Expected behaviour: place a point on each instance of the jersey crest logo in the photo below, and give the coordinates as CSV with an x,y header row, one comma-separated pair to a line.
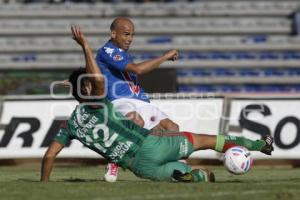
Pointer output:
x,y
118,57
109,51
134,88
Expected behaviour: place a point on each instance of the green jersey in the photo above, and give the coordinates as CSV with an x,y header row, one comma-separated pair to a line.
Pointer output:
x,y
102,129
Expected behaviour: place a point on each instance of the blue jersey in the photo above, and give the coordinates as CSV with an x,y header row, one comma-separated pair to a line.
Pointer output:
x,y
120,84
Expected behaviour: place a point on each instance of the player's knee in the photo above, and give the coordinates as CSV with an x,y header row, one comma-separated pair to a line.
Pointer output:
x,y
172,127
136,118
169,125
175,127
139,121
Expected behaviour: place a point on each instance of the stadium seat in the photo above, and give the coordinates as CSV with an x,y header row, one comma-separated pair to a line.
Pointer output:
x,y
217,40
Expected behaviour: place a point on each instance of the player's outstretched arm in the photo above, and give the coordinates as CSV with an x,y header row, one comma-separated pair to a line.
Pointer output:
x,y
149,65
48,160
92,68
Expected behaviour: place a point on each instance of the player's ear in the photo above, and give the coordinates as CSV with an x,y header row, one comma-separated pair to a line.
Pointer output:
x,y
113,34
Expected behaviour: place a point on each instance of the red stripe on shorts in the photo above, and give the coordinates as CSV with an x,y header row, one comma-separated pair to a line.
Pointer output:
x,y
189,137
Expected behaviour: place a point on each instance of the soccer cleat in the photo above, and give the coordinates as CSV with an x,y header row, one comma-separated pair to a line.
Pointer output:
x,y
268,148
196,175
111,174
182,177
209,175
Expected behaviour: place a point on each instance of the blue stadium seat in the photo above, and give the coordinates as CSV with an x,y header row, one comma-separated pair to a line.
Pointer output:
x,y
244,55
147,56
201,72
293,72
249,72
183,73
290,55
268,56
24,58
185,88
205,88
250,88
229,88
255,39
273,72
276,88
296,88
160,40
200,56
259,38
220,55
224,72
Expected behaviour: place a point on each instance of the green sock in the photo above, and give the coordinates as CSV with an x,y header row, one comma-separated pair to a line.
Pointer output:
x,y
225,142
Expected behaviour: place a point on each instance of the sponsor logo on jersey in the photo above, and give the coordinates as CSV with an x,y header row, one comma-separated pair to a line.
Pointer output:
x,y
118,57
109,51
134,88
120,150
84,128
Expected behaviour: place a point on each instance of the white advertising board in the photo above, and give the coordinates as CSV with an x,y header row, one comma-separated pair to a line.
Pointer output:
x,y
197,116
28,126
279,117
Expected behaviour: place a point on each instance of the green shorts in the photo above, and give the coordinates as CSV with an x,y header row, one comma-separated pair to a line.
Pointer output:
x,y
159,154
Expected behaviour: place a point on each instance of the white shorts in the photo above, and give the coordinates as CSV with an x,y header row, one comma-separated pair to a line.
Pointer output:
x,y
149,112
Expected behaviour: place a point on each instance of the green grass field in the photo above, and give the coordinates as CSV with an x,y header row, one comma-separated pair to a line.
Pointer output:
x,y
72,183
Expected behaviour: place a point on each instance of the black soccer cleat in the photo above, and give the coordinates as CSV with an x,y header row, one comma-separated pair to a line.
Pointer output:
x,y
207,176
268,148
182,177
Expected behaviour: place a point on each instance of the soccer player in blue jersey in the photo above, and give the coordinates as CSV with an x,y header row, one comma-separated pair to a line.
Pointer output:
x,y
123,89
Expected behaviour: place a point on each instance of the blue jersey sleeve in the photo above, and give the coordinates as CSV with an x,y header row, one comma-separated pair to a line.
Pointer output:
x,y
114,58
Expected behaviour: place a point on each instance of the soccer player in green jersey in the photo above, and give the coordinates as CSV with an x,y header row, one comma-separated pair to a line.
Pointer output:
x,y
148,154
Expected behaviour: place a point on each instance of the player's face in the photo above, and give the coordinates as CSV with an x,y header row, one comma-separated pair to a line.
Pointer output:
x,y
86,88
123,35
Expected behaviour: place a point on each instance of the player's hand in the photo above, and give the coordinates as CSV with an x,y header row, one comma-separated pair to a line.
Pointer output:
x,y
78,35
172,55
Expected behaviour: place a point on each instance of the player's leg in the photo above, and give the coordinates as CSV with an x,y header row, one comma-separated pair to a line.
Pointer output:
x,y
181,172
158,159
221,143
172,171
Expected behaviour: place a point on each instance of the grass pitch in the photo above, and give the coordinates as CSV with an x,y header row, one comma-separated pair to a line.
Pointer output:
x,y
74,183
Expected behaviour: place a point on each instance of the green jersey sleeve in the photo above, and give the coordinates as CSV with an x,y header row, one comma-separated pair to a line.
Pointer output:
x,y
63,136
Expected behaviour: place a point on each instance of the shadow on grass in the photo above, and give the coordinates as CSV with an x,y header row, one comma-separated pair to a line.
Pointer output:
x,y
28,180
260,181
62,180
79,180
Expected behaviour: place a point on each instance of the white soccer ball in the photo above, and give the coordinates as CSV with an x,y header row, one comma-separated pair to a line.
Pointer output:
x,y
237,160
